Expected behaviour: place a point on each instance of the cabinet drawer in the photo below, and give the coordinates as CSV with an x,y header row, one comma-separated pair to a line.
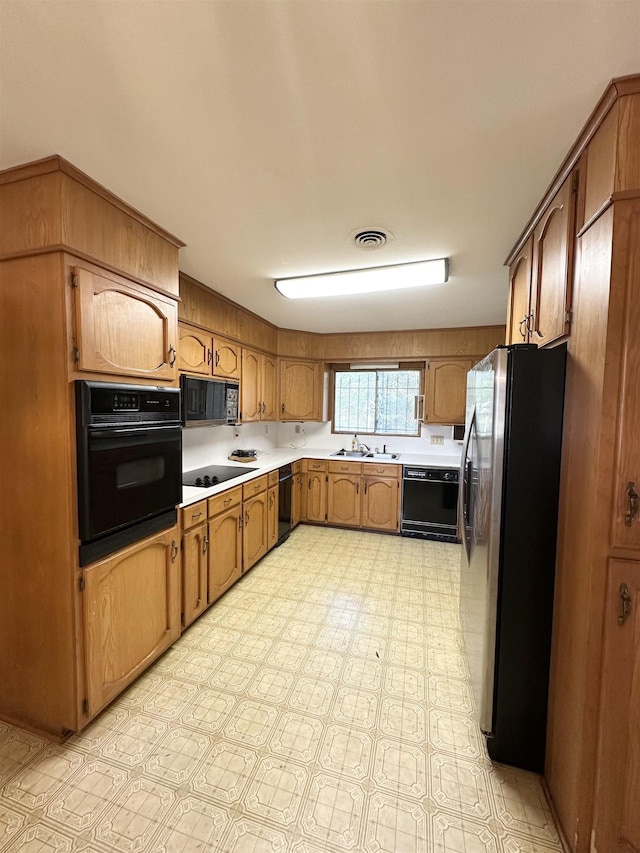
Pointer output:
x,y
345,467
316,464
193,514
225,500
383,470
272,478
255,487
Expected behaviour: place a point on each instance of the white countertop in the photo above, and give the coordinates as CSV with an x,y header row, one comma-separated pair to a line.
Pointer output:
x,y
267,461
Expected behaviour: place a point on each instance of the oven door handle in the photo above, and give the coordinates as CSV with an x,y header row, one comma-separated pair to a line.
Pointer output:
x,y
110,433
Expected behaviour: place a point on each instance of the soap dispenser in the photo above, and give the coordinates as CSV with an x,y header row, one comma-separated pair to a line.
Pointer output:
x,y
354,442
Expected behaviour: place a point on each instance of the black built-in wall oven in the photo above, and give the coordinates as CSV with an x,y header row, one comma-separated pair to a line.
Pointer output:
x,y
129,450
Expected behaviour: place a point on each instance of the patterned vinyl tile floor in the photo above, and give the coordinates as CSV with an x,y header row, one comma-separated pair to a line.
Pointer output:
x,y
323,704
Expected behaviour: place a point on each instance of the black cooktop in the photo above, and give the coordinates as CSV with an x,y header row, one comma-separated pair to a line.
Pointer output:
x,y
212,475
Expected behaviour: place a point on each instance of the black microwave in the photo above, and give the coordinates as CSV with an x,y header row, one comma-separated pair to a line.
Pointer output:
x,y
209,401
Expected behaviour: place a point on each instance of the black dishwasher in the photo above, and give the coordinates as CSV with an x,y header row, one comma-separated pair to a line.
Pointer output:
x,y
285,483
430,503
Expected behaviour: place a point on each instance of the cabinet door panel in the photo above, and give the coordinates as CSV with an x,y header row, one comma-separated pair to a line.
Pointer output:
x,y
225,551
226,359
343,502
250,385
124,328
194,573
447,390
195,351
254,538
380,504
617,817
131,614
269,388
519,296
316,493
553,252
625,529
300,391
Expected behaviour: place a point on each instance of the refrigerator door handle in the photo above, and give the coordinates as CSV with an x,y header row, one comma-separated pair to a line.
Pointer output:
x,y
464,486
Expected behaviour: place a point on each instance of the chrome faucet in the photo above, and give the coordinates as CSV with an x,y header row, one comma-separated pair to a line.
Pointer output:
x,y
366,447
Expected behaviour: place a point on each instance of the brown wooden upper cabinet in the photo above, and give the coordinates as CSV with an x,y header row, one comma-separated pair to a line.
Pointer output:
x,y
540,275
258,386
447,390
207,354
300,390
122,327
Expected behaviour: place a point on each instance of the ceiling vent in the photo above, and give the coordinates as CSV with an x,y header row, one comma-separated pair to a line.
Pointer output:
x,y
372,238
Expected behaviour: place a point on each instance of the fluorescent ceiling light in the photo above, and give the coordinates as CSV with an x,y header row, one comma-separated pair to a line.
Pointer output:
x,y
393,277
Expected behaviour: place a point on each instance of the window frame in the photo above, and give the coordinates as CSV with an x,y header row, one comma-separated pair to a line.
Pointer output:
x,y
352,367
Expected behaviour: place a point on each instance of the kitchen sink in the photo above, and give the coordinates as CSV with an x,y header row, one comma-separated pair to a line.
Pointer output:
x,y
382,456
365,454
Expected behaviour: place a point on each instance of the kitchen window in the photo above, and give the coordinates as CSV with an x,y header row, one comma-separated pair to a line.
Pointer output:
x,y
376,401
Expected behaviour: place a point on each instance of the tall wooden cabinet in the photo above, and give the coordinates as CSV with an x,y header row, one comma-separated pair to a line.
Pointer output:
x,y
88,289
593,743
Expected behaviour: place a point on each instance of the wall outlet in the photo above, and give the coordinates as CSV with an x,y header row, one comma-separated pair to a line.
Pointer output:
x,y
296,429
236,432
266,429
437,439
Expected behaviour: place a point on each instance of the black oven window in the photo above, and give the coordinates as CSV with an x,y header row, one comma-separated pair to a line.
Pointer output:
x,y
140,472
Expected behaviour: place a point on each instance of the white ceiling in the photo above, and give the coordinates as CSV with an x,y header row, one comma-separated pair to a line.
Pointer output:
x,y
264,133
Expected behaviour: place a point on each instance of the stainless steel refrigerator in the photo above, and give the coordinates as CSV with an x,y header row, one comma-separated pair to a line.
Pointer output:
x,y
509,482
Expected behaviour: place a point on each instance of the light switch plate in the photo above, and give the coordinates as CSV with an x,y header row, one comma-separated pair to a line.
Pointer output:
x,y
437,439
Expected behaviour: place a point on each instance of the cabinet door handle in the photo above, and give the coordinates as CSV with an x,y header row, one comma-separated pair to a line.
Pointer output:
x,y
625,602
357,488
365,488
172,355
283,408
240,522
524,322
633,503
205,544
246,518
174,551
209,356
217,358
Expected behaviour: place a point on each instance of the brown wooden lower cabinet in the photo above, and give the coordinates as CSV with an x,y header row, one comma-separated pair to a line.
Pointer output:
x,y
344,500
224,551
380,499
363,494
194,572
131,612
254,531
315,488
617,800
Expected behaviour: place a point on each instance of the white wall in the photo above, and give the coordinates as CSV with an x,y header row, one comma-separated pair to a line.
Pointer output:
x,y
319,435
